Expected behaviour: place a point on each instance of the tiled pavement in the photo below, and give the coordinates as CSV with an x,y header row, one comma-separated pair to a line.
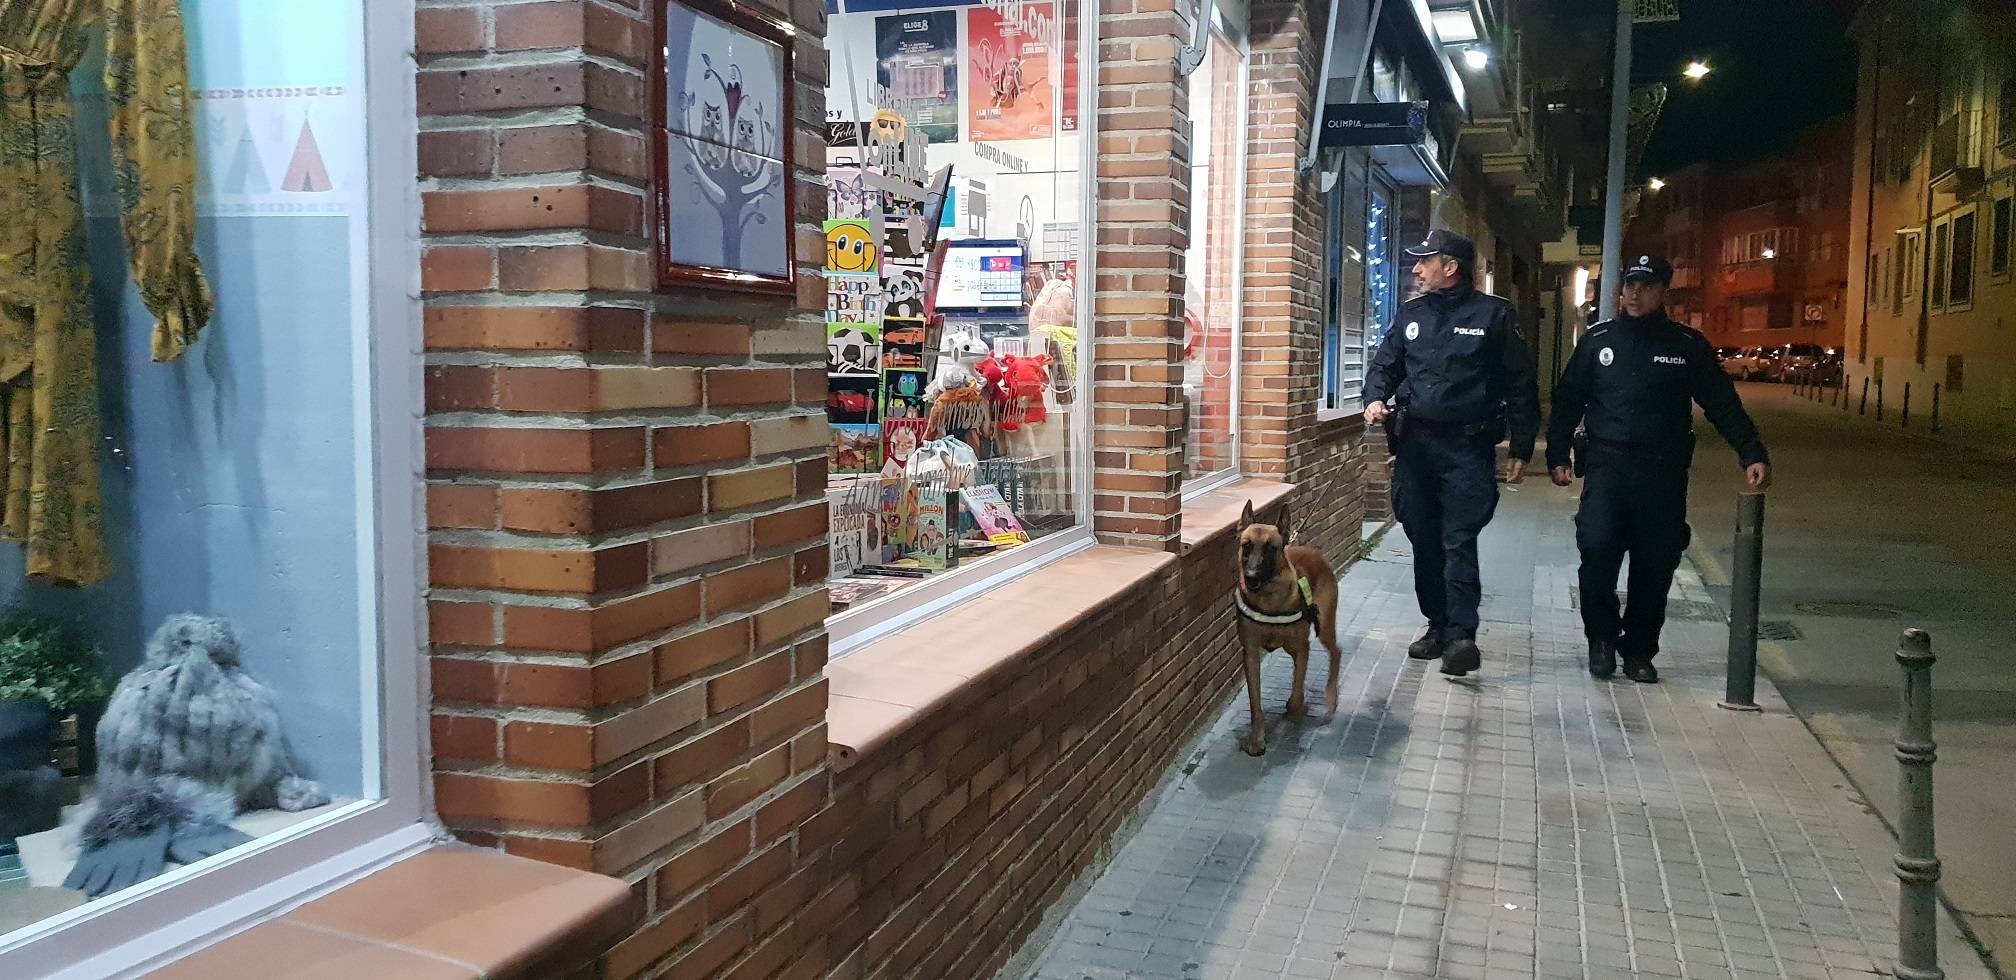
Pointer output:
x,y
1526,822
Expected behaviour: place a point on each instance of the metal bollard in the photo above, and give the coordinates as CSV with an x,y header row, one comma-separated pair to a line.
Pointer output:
x,y
1906,415
1740,690
1917,857
1879,401
1935,407
1864,410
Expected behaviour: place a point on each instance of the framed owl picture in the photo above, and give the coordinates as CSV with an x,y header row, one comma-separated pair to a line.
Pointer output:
x,y
722,146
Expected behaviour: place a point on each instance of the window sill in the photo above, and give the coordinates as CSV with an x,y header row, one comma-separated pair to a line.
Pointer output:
x,y
887,686
1211,514
446,913
1325,416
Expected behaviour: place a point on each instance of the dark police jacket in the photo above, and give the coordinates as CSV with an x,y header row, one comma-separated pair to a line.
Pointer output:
x,y
1632,383
1455,357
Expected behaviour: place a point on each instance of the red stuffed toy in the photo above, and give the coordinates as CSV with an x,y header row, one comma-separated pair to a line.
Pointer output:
x,y
1017,383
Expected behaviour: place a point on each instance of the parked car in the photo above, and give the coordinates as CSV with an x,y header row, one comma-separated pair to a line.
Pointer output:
x,y
1749,364
1799,359
1731,359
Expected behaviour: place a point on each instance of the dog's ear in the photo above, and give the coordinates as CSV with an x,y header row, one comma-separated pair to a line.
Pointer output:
x,y
1283,526
1246,518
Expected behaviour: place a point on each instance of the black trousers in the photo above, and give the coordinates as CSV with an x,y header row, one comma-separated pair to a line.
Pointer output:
x,y
1445,489
1636,507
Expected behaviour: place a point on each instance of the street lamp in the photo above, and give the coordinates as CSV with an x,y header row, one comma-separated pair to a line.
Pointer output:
x,y
1770,253
1656,184
1696,70
1476,58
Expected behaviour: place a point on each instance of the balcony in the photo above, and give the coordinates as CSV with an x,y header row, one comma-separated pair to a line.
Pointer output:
x,y
1758,278
1956,153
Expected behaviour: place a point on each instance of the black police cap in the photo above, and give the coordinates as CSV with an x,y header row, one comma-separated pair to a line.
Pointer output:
x,y
1442,241
1649,268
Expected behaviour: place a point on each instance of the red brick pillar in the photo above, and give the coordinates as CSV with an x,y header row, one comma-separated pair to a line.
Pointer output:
x,y
1144,200
1282,360
624,494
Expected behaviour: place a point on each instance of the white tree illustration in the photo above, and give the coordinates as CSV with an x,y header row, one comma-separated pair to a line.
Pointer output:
x,y
730,146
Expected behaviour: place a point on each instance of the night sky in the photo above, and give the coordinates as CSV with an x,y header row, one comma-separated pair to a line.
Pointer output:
x,y
1778,65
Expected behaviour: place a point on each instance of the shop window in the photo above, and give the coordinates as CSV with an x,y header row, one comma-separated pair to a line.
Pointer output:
x,y
958,335
1333,286
1960,277
193,666
1212,262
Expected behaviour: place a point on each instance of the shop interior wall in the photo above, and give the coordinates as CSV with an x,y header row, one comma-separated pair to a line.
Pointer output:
x,y
231,476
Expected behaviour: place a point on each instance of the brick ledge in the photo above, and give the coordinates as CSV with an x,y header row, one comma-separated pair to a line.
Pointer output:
x,y
447,913
1209,515
892,684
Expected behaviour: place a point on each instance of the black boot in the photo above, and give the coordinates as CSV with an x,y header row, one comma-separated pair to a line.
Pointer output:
x,y
1641,670
1602,658
1428,647
1461,656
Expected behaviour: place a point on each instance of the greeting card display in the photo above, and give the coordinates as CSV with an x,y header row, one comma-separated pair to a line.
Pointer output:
x,y
854,449
853,349
903,394
851,400
903,343
900,438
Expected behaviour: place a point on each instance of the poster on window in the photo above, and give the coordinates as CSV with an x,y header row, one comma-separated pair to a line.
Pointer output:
x,y
917,59
1009,64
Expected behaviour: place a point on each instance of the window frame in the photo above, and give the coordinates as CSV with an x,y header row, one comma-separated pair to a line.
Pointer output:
x,y
1970,214
1236,38
852,629
161,920
1910,243
1942,248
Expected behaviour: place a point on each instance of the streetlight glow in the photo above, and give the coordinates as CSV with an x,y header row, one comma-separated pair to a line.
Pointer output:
x,y
1696,70
1655,183
1476,58
1770,253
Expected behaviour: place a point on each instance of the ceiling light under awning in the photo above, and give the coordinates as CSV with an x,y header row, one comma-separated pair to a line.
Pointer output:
x,y
1456,26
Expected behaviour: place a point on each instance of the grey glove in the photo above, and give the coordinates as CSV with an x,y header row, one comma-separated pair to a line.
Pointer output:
x,y
110,865
196,841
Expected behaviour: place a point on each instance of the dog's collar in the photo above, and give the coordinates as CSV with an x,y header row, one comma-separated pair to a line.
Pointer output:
x,y
1270,619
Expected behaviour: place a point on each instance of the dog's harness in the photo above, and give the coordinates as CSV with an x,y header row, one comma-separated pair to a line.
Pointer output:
x,y
1307,612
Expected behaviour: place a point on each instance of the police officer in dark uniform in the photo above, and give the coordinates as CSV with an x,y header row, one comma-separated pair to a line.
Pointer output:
x,y
1452,373
1631,386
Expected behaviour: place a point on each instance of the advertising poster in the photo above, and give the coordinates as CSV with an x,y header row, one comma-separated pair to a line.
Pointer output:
x,y
1010,61
917,58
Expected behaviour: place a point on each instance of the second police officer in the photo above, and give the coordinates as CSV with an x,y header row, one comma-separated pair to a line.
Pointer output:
x,y
1631,386
1450,376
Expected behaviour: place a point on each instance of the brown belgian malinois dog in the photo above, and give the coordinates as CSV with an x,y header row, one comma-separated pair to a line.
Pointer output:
x,y
1284,590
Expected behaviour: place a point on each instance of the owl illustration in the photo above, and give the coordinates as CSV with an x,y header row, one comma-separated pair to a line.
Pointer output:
x,y
713,134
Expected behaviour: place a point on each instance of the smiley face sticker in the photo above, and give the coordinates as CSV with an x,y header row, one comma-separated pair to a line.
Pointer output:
x,y
850,248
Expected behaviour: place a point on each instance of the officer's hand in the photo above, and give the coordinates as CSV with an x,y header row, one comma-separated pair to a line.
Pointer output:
x,y
1375,413
1515,470
1563,476
1759,475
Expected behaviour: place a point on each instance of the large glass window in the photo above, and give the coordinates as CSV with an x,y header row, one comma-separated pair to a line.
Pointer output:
x,y
191,630
2000,227
1960,285
1212,262
1941,248
958,335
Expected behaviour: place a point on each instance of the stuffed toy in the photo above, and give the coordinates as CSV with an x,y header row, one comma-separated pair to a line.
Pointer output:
x,y
1016,385
959,354
958,403
188,741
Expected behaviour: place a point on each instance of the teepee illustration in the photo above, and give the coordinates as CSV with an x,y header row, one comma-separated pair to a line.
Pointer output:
x,y
305,172
247,173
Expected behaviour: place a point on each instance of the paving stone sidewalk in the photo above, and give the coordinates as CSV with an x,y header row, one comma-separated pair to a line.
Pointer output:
x,y
1526,822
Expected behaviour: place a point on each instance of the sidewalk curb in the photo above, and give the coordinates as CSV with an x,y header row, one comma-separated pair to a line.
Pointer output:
x,y
1773,657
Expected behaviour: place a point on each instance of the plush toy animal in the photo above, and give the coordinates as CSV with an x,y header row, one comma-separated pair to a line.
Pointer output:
x,y
959,354
188,741
1016,384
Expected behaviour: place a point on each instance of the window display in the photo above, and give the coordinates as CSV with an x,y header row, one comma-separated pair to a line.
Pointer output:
x,y
186,645
954,166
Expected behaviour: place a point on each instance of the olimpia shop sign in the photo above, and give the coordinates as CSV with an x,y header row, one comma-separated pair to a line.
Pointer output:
x,y
1034,21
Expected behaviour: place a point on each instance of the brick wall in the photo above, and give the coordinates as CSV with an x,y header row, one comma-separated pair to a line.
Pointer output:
x,y
945,847
624,497
1143,217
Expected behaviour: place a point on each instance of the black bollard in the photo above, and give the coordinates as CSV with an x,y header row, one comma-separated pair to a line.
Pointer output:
x,y
1864,410
1935,407
1740,690
1879,401
1906,414
1917,852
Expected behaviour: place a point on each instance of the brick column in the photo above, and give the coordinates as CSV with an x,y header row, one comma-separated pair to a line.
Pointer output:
x,y
1282,360
1143,217
624,493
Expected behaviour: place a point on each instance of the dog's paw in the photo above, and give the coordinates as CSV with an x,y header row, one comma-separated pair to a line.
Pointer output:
x,y
1297,707
1254,746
